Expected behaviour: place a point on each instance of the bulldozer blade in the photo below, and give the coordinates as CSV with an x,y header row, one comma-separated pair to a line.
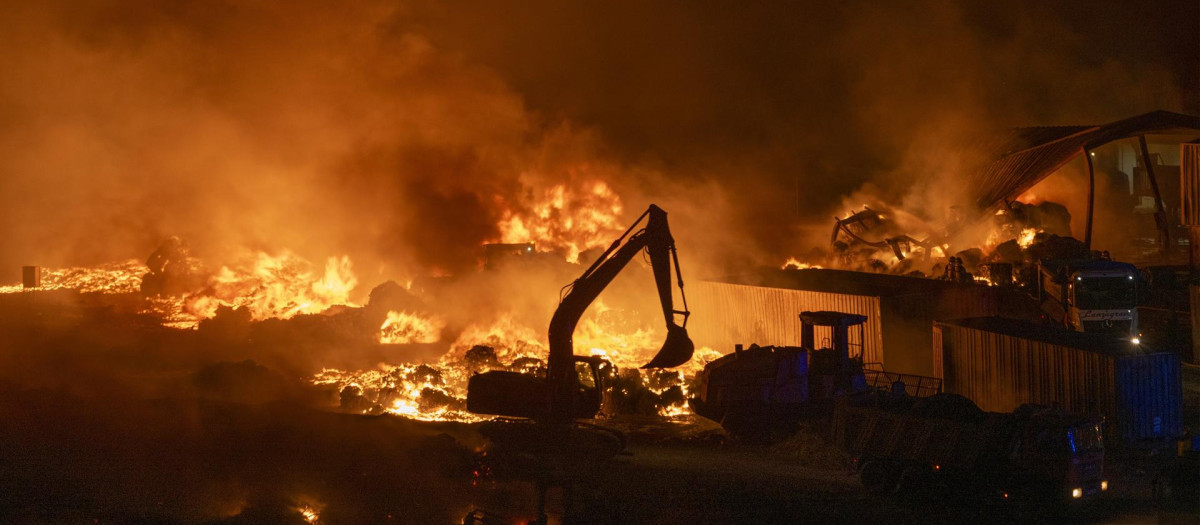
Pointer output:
x,y
676,351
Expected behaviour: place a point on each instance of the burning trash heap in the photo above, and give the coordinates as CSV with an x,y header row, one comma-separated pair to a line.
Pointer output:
x,y
998,249
273,304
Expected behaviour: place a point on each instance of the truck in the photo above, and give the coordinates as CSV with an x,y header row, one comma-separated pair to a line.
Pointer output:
x,y
759,390
1095,296
944,445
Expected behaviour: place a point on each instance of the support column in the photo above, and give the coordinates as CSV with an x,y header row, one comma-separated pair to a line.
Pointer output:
x,y
1189,186
1091,202
1160,216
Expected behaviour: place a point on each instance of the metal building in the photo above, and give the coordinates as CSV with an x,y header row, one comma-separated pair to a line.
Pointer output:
x,y
764,308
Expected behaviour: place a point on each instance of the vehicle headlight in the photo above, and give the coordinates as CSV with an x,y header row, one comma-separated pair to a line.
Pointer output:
x,y
1076,493
1104,485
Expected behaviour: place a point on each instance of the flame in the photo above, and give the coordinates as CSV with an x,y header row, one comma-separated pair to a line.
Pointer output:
x,y
112,278
418,392
570,219
279,286
795,264
511,340
404,327
1027,236
309,513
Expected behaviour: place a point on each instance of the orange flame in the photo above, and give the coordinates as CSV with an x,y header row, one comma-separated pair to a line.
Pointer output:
x,y
1027,236
795,264
404,328
568,219
110,278
275,287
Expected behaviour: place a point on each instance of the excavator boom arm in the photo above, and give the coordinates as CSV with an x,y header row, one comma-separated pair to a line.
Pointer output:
x,y
656,239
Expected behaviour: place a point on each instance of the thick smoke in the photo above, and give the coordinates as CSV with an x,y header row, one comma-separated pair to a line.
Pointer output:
x,y
399,132
407,134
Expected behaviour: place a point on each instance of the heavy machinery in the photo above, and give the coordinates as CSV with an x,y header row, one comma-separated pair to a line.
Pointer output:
x,y
572,387
1097,296
944,445
756,390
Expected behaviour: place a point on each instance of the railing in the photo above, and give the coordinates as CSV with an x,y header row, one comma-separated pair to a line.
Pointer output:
x,y
913,385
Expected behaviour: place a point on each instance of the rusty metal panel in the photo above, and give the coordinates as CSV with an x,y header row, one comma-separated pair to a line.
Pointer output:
x,y
1194,298
31,276
727,314
1000,372
907,320
1189,184
936,354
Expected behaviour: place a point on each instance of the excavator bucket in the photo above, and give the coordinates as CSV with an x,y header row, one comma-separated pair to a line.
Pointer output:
x,y
676,351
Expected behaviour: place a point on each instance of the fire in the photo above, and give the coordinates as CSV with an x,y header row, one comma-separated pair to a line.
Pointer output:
x,y
570,219
112,278
309,513
795,264
612,333
280,286
1027,236
404,328
511,340
418,392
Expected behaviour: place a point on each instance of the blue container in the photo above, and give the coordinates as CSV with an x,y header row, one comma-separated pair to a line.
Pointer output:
x,y
1149,397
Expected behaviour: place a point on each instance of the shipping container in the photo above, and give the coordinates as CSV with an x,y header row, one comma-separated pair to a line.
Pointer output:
x,y
764,308
1001,364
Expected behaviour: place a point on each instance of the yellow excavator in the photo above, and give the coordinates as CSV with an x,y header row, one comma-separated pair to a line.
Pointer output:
x,y
573,385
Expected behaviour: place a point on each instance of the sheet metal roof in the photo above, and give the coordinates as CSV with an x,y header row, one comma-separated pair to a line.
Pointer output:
x,y
1025,156
842,281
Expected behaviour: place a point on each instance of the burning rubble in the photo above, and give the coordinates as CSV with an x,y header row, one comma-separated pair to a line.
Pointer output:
x,y
958,247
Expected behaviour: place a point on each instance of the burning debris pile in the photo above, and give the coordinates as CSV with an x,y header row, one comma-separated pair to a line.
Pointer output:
x,y
282,302
112,278
1004,244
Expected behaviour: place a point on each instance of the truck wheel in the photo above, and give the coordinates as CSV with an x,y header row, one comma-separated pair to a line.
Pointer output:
x,y
879,477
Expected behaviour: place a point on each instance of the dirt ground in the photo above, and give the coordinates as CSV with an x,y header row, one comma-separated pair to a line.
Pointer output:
x,y
102,421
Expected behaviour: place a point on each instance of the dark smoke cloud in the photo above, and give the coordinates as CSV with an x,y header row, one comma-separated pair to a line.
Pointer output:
x,y
396,131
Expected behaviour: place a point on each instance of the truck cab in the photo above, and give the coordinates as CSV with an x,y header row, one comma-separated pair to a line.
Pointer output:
x,y
1066,454
1095,296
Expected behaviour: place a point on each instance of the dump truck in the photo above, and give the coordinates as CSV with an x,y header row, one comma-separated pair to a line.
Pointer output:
x,y
945,445
757,390
1095,296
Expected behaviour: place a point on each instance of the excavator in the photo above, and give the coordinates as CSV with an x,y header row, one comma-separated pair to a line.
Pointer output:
x,y
573,385
549,445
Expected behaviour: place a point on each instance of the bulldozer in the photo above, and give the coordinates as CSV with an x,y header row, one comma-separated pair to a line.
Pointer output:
x,y
761,390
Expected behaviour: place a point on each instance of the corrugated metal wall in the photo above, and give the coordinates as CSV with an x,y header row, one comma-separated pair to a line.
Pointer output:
x,y
728,314
907,320
1000,372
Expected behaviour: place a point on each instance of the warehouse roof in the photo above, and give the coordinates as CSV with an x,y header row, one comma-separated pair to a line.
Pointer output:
x,y
842,281
1025,156
1051,334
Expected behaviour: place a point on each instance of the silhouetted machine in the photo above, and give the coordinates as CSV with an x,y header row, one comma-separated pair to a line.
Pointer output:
x,y
572,387
754,390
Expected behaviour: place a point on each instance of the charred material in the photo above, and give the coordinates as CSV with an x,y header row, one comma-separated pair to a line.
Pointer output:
x,y
173,270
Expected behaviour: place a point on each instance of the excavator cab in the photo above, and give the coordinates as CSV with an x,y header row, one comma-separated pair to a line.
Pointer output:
x,y
833,370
